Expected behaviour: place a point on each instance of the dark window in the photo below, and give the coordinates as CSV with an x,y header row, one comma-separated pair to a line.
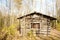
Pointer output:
x,y
36,26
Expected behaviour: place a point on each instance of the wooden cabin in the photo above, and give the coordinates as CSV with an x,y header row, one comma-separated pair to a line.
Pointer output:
x,y
38,23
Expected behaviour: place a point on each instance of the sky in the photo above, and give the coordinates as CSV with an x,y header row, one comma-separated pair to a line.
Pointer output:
x,y
43,6
3,5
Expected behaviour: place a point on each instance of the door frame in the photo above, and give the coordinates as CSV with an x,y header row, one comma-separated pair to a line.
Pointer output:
x,y
38,28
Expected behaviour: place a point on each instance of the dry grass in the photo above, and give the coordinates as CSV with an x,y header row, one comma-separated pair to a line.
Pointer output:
x,y
11,33
54,35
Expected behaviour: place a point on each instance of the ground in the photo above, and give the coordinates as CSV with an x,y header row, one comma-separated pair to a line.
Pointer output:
x,y
54,35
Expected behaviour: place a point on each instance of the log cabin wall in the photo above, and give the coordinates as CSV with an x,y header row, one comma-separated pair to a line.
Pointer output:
x,y
45,25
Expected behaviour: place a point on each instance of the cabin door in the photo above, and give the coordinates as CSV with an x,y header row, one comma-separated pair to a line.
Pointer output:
x,y
36,28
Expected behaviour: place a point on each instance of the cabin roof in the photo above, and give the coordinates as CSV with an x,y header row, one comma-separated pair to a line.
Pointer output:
x,y
37,14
